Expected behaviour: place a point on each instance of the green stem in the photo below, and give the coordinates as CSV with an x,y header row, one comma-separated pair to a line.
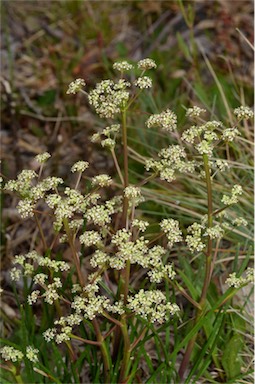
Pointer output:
x,y
126,353
208,271
100,339
19,379
126,281
125,274
125,147
104,351
75,255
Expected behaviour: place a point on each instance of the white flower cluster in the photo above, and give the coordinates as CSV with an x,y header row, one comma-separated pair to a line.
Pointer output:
x,y
145,64
205,148
166,120
240,221
195,111
230,134
134,195
109,98
132,192
90,238
204,135
11,354
65,207
75,86
86,305
221,165
110,132
28,263
99,258
236,191
42,157
101,181
215,232
134,251
32,354
140,224
190,134
122,66
171,161
30,193
143,82
80,166
194,240
23,183
51,293
152,306
237,282
243,113
171,228
100,214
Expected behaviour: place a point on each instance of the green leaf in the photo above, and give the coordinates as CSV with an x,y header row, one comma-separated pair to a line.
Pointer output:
x,y
231,360
184,47
47,98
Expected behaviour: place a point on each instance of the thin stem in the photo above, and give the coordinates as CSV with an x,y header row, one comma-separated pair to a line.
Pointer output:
x,y
86,340
134,344
117,166
75,255
152,176
127,352
135,97
126,281
208,270
125,147
112,319
105,354
125,273
40,171
125,155
41,232
78,180
184,293
220,210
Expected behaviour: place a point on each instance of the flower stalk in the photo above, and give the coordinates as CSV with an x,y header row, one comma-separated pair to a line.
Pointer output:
x,y
208,271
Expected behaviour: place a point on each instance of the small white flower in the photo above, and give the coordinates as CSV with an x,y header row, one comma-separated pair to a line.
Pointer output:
x,y
146,64
15,274
171,228
166,120
140,224
240,221
80,166
132,192
43,157
236,191
230,134
108,143
75,86
32,354
243,112
49,334
122,66
11,354
195,111
90,238
101,180
143,82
